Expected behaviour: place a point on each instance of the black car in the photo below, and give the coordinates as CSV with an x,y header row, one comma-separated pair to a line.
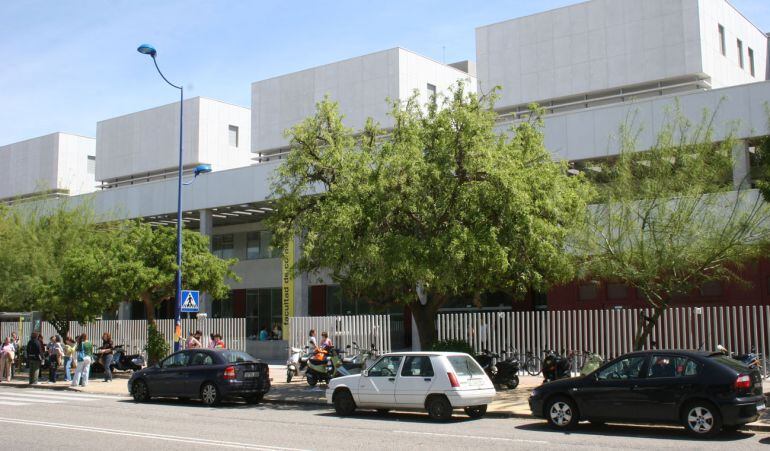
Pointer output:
x,y
705,392
206,374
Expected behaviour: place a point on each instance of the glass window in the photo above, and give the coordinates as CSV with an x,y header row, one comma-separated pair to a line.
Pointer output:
x,y
201,358
385,367
669,366
432,93
740,52
263,308
751,61
91,162
616,291
259,245
587,292
252,245
223,246
722,47
222,308
233,135
623,369
465,366
237,357
419,366
711,289
176,360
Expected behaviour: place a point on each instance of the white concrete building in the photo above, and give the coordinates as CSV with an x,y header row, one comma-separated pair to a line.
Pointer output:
x,y
59,164
144,146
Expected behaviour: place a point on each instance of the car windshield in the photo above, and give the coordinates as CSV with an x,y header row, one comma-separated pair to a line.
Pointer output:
x,y
736,365
465,366
237,357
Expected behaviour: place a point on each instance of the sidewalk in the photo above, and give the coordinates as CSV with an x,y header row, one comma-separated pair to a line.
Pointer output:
x,y
507,404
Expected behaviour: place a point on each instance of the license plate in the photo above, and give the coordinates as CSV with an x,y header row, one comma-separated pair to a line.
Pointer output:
x,y
250,374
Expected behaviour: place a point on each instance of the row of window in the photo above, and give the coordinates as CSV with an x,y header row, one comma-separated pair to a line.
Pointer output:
x,y
661,366
739,45
258,245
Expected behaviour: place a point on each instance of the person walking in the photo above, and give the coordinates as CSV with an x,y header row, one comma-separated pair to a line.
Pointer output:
x,y
83,351
55,356
34,357
106,352
69,358
7,354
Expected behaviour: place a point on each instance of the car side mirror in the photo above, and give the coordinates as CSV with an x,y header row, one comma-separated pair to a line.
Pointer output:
x,y
365,373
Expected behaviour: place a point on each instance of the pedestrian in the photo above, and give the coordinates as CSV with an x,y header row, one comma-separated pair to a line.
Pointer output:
x,y
277,332
193,342
311,341
55,356
7,354
69,358
34,358
326,342
105,350
43,355
212,341
264,335
17,352
83,351
218,342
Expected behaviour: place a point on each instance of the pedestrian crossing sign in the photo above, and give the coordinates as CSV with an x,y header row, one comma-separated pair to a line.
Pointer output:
x,y
190,302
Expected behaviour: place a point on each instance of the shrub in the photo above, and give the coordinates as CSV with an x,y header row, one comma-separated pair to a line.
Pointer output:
x,y
452,346
157,347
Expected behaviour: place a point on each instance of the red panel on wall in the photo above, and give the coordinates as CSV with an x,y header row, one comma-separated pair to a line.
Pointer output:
x,y
239,303
317,300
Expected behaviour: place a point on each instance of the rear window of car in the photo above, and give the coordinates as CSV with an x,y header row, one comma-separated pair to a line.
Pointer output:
x,y
237,357
465,366
729,362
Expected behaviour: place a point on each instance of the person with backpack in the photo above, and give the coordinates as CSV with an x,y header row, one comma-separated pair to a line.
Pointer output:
x,y
83,351
34,358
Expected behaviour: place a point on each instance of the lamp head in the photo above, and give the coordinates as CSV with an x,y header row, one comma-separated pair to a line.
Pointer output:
x,y
147,49
202,169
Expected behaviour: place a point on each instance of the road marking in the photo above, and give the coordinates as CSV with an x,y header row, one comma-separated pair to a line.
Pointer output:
x,y
11,403
48,392
473,437
47,396
28,400
169,438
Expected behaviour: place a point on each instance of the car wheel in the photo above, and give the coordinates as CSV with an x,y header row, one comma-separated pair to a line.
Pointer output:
x,y
140,391
210,394
702,419
344,404
513,382
255,399
311,380
289,375
562,413
476,411
439,408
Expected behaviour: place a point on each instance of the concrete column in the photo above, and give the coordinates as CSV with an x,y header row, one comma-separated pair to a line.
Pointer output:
x,y
124,311
206,227
741,166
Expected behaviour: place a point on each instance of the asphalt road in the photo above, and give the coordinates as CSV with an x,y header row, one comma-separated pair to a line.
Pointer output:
x,y
47,420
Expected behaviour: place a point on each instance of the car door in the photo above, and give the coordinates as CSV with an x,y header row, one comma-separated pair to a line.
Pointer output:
x,y
171,377
377,386
608,393
414,381
198,370
668,380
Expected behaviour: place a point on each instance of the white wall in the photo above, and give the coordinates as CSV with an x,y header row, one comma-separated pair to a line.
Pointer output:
x,y
725,70
148,141
52,162
360,85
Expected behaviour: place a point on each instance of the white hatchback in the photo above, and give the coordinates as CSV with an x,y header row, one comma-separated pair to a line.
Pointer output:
x,y
434,381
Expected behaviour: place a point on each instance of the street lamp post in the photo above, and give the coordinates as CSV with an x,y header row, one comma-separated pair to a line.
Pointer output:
x,y
147,49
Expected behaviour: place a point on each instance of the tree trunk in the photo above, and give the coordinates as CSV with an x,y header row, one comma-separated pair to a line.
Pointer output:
x,y
425,320
646,326
149,307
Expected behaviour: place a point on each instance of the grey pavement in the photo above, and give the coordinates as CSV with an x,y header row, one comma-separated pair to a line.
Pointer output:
x,y
66,420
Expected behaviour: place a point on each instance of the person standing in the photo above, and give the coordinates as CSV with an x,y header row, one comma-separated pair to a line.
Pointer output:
x,y
192,341
69,358
106,352
55,356
34,357
83,351
311,341
263,333
17,351
7,354
43,354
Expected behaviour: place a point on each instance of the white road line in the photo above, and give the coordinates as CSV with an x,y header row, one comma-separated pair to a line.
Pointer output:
x,y
29,400
47,396
473,437
11,403
73,393
169,438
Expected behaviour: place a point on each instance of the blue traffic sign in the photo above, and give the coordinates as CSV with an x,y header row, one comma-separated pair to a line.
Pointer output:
x,y
190,302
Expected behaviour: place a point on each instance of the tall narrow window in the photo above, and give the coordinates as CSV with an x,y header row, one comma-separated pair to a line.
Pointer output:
x,y
233,134
740,53
91,164
722,46
432,93
751,61
222,246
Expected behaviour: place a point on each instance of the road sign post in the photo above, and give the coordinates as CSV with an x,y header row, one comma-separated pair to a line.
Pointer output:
x,y
190,301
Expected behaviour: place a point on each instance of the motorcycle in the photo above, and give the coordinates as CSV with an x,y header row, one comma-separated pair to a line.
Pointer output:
x,y
750,359
555,366
357,362
325,369
592,363
297,362
502,372
120,361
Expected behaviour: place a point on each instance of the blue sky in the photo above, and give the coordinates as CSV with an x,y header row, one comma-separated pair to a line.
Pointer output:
x,y
69,64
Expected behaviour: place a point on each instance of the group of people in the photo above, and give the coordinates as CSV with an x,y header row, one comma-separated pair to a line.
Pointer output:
x,y
266,334
73,356
320,351
195,341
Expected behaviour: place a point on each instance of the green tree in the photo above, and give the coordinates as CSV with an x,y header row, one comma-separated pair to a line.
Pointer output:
x,y
442,202
668,219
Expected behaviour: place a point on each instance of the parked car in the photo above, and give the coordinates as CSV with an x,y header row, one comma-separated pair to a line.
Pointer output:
x,y
705,392
206,374
438,382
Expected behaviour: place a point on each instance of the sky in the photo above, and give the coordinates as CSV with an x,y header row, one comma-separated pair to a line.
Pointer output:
x,y
69,64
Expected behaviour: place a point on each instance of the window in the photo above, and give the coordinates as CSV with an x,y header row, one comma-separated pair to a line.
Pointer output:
x,y
221,308
259,245
91,161
222,246
616,291
668,366
627,368
233,135
587,292
740,53
711,289
432,93
201,358
722,46
176,360
465,365
263,308
751,61
417,366
385,367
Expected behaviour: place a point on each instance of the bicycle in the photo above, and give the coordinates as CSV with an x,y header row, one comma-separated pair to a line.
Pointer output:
x,y
533,365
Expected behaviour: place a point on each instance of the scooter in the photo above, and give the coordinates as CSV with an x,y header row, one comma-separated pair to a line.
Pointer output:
x,y
120,361
324,370
297,362
751,359
555,366
502,372
357,362
592,363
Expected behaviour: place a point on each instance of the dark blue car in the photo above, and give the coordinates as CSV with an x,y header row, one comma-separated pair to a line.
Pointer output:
x,y
205,374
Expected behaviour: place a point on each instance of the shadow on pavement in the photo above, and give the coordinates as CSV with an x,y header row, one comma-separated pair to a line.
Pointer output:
x,y
401,416
636,431
225,405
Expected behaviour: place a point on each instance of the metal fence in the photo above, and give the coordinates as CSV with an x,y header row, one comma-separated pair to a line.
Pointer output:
x,y
365,330
610,333
132,334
